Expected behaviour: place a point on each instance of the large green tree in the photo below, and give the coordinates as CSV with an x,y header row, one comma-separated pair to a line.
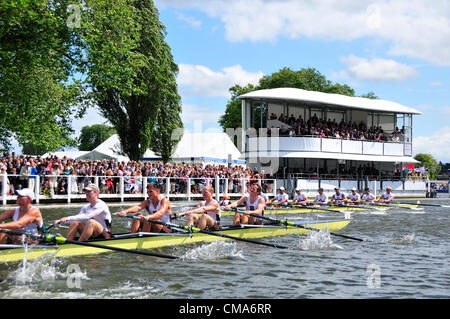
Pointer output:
x,y
38,95
306,79
131,70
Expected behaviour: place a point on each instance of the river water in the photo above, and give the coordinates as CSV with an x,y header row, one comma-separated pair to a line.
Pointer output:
x,y
404,255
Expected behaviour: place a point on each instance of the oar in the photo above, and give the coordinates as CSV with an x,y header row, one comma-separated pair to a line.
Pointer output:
x,y
62,240
192,229
433,205
288,223
321,208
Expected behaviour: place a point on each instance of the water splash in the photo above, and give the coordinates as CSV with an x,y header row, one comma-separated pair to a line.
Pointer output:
x,y
320,240
44,271
216,250
405,240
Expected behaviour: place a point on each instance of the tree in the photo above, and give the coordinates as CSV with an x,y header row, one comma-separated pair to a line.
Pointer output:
x,y
37,51
429,162
131,70
306,79
92,136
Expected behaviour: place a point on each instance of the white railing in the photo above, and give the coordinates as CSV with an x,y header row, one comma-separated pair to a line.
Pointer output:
x,y
332,145
70,187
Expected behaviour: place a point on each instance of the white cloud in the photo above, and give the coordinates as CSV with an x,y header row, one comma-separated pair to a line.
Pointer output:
x,y
437,144
201,80
412,28
376,69
189,20
436,83
199,114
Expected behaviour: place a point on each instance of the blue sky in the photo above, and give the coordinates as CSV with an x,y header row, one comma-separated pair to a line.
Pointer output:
x,y
399,49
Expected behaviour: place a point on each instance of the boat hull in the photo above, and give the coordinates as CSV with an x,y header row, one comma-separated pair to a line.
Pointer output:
x,y
158,241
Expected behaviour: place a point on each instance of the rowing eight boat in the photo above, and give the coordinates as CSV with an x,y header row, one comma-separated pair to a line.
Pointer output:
x,y
153,240
316,209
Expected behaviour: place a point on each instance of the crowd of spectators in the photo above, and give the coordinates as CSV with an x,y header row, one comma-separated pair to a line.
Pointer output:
x,y
54,174
332,129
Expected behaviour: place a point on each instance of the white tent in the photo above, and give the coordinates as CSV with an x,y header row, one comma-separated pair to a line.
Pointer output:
x,y
108,150
206,148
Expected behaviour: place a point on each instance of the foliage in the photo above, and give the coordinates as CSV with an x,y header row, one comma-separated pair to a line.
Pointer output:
x,y
429,162
306,79
92,136
37,51
131,70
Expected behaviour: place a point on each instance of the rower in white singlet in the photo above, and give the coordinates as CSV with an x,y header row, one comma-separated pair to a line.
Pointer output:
x,y
26,218
281,199
353,197
300,198
254,204
368,196
321,198
158,208
210,210
386,197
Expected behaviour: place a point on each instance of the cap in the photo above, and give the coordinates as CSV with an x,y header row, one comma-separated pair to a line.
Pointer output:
x,y
91,187
298,189
25,192
226,197
336,188
353,188
281,188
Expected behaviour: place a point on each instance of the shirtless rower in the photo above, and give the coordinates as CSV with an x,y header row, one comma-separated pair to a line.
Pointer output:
x,y
26,218
254,204
386,197
210,210
158,208
93,221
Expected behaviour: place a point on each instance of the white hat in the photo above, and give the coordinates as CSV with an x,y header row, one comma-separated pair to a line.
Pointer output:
x,y
91,187
25,192
281,188
354,189
298,189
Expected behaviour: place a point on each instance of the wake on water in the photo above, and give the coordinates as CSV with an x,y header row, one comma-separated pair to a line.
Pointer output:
x,y
320,240
219,249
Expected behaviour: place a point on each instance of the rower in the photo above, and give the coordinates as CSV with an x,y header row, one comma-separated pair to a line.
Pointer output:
x,y
282,198
26,218
254,204
353,198
321,198
367,196
300,198
210,210
225,201
386,197
338,198
93,221
158,207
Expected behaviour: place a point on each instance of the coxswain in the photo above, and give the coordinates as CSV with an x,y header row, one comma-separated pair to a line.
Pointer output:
x,y
225,201
254,204
300,198
158,208
353,198
93,221
26,218
386,197
210,210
